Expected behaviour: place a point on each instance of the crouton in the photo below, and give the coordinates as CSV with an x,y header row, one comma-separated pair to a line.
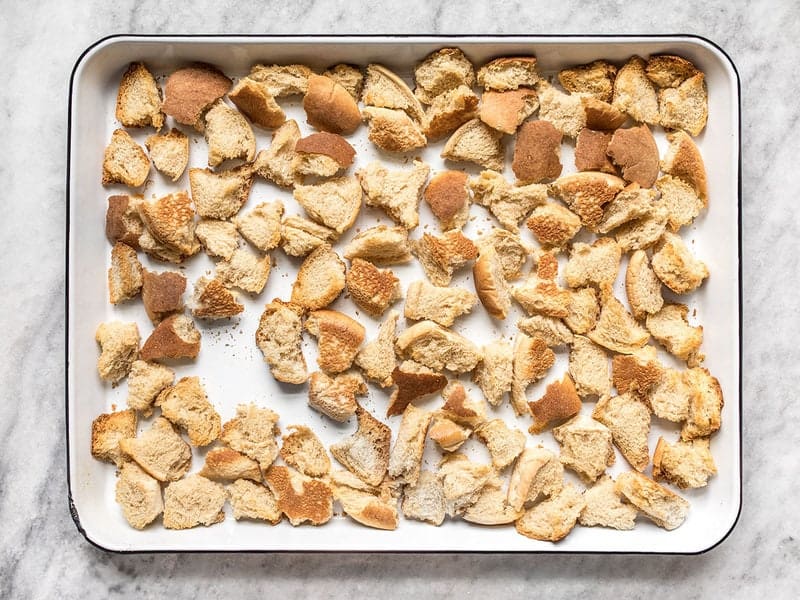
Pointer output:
x,y
169,152
559,402
634,94
616,329
635,152
212,300
441,305
684,161
447,434
595,78
393,130
553,225
220,194
228,135
322,154
124,161
591,149
282,80
376,359
123,223
245,270
371,288
508,73
397,192
490,283
190,90
279,337
551,330
495,371
139,99
552,519
506,111
585,447
685,464
219,238
159,451
462,481
685,107
628,205
657,503
175,337
441,256
675,265
363,503
537,152
384,89
477,143
366,452
108,430
119,348
253,501
670,398
637,373
668,70
588,366
596,264
138,495
602,116
642,286
537,473
302,499
448,198
320,279
254,100
644,231
380,245
604,507
226,464
299,236
303,451
629,422
405,458
441,71
682,202
586,193
532,360
145,381
510,204
349,77
334,203
582,311
162,293
335,397
262,225
504,443
125,274
564,111
437,348
329,107
511,251
186,405
425,501
252,432
449,111
338,336
705,405
276,163
671,328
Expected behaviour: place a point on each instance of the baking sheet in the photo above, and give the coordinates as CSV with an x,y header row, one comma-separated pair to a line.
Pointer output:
x,y
231,366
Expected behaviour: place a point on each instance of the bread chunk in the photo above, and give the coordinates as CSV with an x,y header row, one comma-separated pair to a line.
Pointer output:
x,y
175,337
645,231
145,381
302,499
604,507
668,70
397,192
282,80
477,143
490,507
255,101
462,481
657,503
384,89
512,252
685,107
138,495
170,221
225,464
596,264
585,447
635,152
245,270
532,360
591,149
413,381
632,203
586,193
642,286
349,77
448,198
442,305
508,73
504,443
212,300
634,94
460,408
551,330
449,435
252,432
329,107
553,225
671,328
219,238
629,422
537,152
162,294
490,283
376,359
437,348
588,366
582,311
320,279
564,111
552,519
616,329
303,451
363,503
334,203
279,337
193,501
123,223
322,154
682,203
393,130
381,245
540,294
637,373
425,501
335,397
338,336
253,501
441,71
685,464
276,163
119,348
139,98
595,78
169,152
262,225
705,405
366,452
441,256
449,111
186,405
159,451
371,288
684,161
190,90
228,134
124,161
670,398
506,111
299,236
510,204
675,265
406,456
559,402
536,473
220,194
602,116
125,274
108,430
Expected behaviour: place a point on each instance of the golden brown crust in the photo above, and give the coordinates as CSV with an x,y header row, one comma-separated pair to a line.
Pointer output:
x,y
602,115
447,195
162,293
553,224
590,151
586,193
684,161
312,502
635,374
412,385
170,220
449,111
560,401
330,107
108,430
303,450
537,152
668,70
254,100
139,99
505,111
371,288
328,144
190,90
595,78
214,301
490,284
226,464
338,336
174,337
122,222
634,150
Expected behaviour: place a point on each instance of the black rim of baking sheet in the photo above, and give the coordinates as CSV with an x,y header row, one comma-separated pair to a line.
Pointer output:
x,y
266,37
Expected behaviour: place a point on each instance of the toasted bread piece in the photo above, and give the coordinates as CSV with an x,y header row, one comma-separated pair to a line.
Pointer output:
x,y
123,223
139,99
682,202
595,78
145,381
282,80
443,305
642,286
441,71
512,252
228,134
604,507
398,192
438,348
629,422
685,107
564,111
162,293
349,77
602,116
552,519
245,270
279,336
299,236
219,238
447,434
657,503
376,359
495,371
582,311
490,507
330,107
668,70
537,152
302,499
634,94
510,204
364,503
540,294
220,194
169,152
490,283
384,89
685,464
252,432
276,163
675,265
559,402
253,98
637,373
253,501
441,255
175,337
226,464
125,274
585,447
159,451
628,205
705,405
262,225
504,443
462,481
532,360
366,452
448,198
322,154
596,264
536,473
393,130
424,501
413,381
551,330
460,408
320,279
124,161
508,73
335,397
381,245
588,366
586,193
138,495
553,225
190,90
670,398
684,161
334,203
371,288
477,143
303,451
108,430
616,329
635,152
186,405
212,300
406,456
449,111
119,348
591,149
505,111
338,336
644,231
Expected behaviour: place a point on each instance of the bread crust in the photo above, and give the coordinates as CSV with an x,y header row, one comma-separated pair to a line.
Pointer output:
x,y
175,337
190,90
329,144
329,107
537,152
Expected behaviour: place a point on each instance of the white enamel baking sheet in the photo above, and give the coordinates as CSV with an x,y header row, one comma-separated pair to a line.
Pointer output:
x,y
231,367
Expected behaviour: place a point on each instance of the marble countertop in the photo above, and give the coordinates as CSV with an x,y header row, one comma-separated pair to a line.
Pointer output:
x,y
44,556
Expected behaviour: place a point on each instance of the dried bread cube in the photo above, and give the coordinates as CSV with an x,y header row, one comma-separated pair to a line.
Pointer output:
x,y
687,464
405,459
602,116
449,111
193,501
219,238
381,245
244,270
630,204
376,359
320,279
282,80
124,275
348,76
441,305
588,366
447,434
251,500
564,111
398,192
413,381
585,447
139,98
506,111
119,348
684,161
682,202
559,402
365,504
595,78
123,223
138,495
303,451
503,442
262,225
322,154
460,408
551,330
605,508
175,337
393,130
440,71
635,152
540,294
448,198
670,397
124,161
170,221
490,283
582,311
279,337
220,194
212,300
255,101
629,422
437,348
302,499
441,256
385,89
145,381
329,107
616,329
365,453
675,265
371,288
490,506
335,397
508,73
107,431
299,236
591,149
276,163
637,373
671,328
162,293
634,94
537,473
537,152
552,519
169,152
228,134
226,464
705,405
188,91
532,360
512,252
338,336
597,263
686,106
462,481
477,143
668,70
645,231
186,405
642,286
657,503
586,193
424,501
252,432
159,451
553,225
334,203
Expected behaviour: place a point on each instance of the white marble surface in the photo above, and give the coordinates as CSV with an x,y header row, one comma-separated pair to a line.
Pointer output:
x,y
44,556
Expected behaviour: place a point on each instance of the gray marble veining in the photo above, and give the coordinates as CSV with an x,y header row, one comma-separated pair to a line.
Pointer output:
x,y
44,556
